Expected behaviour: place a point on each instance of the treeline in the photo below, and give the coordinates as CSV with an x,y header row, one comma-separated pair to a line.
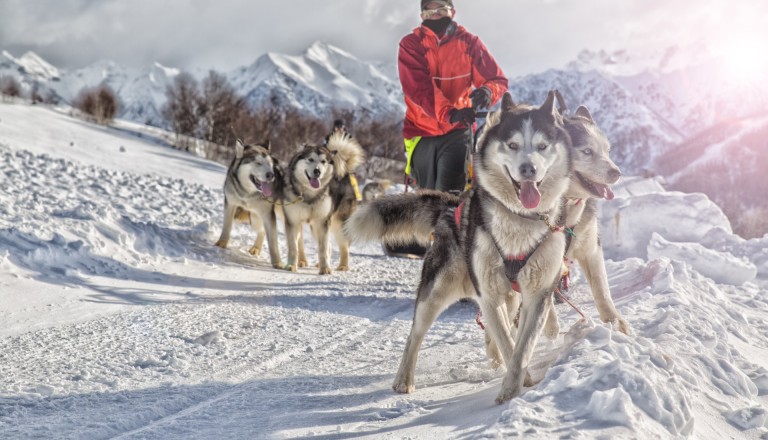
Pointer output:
x,y
99,104
211,110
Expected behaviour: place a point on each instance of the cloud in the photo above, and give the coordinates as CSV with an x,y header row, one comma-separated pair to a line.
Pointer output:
x,y
524,35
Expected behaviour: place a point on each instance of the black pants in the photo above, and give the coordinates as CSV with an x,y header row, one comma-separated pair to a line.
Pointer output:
x,y
438,162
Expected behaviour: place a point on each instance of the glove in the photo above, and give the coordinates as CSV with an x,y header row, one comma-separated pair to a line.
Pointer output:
x,y
481,98
464,115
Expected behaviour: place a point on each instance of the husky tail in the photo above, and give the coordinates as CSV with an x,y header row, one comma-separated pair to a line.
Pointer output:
x,y
348,154
399,219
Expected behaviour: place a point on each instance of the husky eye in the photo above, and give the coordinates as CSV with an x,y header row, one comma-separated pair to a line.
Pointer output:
x,y
587,151
542,146
513,146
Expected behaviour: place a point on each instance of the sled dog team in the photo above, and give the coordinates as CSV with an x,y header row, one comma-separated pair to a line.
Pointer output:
x,y
538,173
315,189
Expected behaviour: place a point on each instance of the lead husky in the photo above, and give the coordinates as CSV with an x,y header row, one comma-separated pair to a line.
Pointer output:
x,y
593,173
522,169
254,183
318,191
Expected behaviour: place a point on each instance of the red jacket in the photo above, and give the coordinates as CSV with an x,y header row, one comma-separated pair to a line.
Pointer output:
x,y
437,76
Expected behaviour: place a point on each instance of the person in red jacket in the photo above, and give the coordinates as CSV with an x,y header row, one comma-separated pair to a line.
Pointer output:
x,y
447,74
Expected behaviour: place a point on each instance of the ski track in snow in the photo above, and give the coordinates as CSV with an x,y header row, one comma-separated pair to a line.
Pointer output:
x,y
155,333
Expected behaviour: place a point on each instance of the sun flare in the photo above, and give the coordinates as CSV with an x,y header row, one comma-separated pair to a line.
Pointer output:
x,y
744,59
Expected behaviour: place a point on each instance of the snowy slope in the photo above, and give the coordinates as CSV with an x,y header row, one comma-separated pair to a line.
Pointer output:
x,y
120,319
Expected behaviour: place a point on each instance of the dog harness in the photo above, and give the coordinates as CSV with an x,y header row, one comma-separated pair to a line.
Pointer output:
x,y
513,264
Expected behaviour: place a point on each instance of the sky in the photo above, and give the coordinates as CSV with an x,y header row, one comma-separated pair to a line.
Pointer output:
x,y
525,36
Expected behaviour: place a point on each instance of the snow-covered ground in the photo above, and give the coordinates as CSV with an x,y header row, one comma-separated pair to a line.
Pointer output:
x,y
120,319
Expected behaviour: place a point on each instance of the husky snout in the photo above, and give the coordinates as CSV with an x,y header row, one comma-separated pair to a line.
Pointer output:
x,y
316,172
528,171
614,175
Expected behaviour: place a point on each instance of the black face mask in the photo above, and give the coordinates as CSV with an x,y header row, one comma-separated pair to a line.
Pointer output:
x,y
438,26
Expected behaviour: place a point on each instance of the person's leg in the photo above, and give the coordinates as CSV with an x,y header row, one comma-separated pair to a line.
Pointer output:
x,y
423,162
451,154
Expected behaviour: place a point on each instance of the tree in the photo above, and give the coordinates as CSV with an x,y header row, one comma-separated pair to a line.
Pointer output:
x,y
180,109
99,103
9,87
218,108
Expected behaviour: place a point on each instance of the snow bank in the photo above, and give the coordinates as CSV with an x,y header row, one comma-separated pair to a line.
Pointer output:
x,y
722,267
628,223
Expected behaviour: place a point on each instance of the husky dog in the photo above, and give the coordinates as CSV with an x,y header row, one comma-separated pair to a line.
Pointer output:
x,y
253,183
318,191
375,189
508,221
593,173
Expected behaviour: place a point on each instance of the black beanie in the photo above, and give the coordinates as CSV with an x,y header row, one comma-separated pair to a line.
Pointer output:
x,y
424,3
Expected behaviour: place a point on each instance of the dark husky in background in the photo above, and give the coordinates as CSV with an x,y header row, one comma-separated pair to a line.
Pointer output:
x,y
510,218
254,184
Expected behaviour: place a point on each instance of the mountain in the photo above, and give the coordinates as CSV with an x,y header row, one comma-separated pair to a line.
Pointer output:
x,y
637,133
691,89
647,103
317,81
29,67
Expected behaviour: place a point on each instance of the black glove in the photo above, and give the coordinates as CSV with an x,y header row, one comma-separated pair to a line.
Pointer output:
x,y
481,98
464,115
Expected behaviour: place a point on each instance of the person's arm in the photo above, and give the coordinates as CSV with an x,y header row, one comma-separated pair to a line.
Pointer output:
x,y
486,72
416,80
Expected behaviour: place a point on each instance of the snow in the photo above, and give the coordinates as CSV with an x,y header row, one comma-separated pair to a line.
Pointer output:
x,y
120,319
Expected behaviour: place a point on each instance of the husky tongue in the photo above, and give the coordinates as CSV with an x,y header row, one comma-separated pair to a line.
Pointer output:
x,y
266,189
605,191
529,195
314,182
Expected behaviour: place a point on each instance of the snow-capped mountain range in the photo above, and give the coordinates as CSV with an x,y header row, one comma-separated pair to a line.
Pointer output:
x,y
646,103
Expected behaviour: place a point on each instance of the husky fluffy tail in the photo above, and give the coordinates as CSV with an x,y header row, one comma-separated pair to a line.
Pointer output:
x,y
348,154
400,218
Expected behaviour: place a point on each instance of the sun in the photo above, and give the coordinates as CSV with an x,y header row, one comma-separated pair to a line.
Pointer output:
x,y
744,58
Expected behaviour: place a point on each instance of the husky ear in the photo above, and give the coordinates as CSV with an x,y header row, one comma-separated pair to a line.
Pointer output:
x,y
267,144
549,104
561,107
507,104
239,149
493,119
584,113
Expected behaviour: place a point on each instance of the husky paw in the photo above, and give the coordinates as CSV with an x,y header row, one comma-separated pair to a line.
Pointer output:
x,y
402,388
279,265
622,325
290,267
255,251
325,271
222,243
303,263
341,268
507,393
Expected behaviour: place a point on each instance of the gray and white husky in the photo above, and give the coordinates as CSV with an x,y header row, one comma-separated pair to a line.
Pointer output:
x,y
254,183
318,191
507,229
593,173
